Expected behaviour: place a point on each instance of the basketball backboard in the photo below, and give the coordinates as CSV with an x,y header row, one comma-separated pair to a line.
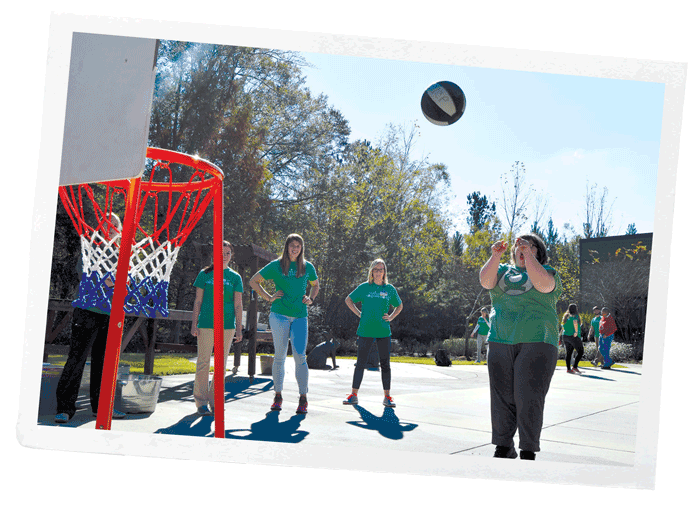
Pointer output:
x,y
108,108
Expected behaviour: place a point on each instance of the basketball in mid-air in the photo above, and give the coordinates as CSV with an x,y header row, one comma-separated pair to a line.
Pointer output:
x,y
443,103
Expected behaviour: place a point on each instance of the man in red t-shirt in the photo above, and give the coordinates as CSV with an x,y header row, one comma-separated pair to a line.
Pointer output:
x,y
607,332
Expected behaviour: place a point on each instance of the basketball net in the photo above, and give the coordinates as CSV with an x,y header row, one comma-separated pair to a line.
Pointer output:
x,y
165,216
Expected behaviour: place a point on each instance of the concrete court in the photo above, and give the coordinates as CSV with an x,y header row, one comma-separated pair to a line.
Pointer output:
x,y
589,418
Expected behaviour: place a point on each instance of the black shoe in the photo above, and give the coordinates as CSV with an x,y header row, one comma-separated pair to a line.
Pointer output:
x,y
505,452
527,455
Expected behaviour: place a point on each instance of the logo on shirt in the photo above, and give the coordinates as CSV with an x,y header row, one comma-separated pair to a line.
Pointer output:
x,y
378,294
515,283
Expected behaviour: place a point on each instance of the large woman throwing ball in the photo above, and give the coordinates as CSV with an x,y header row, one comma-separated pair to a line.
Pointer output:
x,y
376,296
522,342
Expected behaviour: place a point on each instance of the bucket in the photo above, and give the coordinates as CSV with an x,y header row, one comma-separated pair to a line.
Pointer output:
x,y
266,365
49,380
139,393
85,380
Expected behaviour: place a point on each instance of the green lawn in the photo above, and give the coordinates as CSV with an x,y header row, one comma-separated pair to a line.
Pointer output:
x,y
175,364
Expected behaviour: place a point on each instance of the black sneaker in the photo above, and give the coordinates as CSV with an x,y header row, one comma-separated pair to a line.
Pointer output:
x,y
505,452
527,455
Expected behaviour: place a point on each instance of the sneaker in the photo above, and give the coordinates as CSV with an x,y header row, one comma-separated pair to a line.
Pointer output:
x,y
351,400
505,452
570,371
389,402
116,414
277,402
303,405
576,370
204,411
61,418
527,455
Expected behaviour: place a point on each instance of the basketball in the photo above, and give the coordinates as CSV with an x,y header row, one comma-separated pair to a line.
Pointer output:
x,y
443,103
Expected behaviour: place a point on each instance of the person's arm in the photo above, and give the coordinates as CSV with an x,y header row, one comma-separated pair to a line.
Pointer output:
x,y
255,284
488,276
315,288
238,307
198,297
542,280
353,308
392,316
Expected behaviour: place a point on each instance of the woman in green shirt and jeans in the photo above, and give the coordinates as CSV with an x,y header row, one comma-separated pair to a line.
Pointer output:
x,y
522,342
289,314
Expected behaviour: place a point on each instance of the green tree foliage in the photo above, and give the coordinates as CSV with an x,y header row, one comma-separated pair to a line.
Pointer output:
x,y
480,211
631,229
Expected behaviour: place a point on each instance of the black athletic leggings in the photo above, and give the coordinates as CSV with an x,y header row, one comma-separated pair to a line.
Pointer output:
x,y
364,344
570,343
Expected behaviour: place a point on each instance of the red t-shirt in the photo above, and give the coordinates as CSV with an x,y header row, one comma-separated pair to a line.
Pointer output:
x,y
607,326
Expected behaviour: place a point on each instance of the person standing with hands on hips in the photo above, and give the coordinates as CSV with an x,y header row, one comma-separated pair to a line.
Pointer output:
x,y
289,314
203,325
376,296
522,342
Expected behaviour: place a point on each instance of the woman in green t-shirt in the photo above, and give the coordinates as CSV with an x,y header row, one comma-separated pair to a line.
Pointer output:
x,y
522,342
571,330
203,325
288,314
376,296
481,331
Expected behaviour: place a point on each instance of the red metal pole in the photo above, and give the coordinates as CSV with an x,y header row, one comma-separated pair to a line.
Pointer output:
x,y
219,358
116,318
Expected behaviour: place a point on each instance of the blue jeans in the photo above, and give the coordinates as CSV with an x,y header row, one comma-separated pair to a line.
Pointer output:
x,y
604,344
287,329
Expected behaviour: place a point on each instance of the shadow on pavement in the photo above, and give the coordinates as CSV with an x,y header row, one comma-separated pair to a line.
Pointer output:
x,y
270,429
387,426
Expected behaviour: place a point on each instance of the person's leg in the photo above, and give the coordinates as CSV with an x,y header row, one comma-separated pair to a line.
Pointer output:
x,y
82,335
578,345
384,350
228,338
364,344
479,342
279,326
97,358
205,345
503,411
605,344
569,346
299,337
533,370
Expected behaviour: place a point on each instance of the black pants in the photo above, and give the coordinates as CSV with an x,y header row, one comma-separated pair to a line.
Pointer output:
x,y
364,344
89,329
570,343
519,378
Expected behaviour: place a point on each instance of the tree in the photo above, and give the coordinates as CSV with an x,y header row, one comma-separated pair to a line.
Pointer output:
x,y
631,229
457,248
516,197
598,217
480,211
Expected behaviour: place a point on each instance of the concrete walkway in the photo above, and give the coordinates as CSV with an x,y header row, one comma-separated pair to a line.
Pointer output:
x,y
589,418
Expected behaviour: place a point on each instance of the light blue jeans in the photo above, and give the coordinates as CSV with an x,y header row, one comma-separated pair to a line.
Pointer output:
x,y
287,329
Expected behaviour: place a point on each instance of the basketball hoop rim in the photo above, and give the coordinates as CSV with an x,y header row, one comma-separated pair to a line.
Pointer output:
x,y
157,153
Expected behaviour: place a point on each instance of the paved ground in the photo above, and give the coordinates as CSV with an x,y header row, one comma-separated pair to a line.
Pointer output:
x,y
589,419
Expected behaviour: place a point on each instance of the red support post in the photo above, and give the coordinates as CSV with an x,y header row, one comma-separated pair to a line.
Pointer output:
x,y
219,358
116,318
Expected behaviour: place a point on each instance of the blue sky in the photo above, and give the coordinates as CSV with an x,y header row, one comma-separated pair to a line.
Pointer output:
x,y
568,130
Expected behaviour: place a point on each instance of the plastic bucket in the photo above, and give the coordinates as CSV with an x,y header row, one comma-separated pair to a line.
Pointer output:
x,y
139,393
266,365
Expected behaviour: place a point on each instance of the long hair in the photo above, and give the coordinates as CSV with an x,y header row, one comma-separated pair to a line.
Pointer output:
x,y
285,260
481,312
571,311
370,277
538,243
211,266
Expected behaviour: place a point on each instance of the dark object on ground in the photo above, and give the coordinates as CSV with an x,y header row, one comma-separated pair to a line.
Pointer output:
x,y
316,359
442,358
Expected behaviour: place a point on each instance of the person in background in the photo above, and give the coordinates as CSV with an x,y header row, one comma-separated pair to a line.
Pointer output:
x,y
594,333
289,314
377,296
571,324
607,333
481,330
203,325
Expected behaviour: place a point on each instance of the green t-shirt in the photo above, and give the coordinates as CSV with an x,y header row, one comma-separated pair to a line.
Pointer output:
x,y
520,313
569,326
483,326
294,287
595,324
232,284
376,299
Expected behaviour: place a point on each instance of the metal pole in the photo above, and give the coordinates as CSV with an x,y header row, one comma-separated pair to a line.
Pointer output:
x,y
219,358
116,317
